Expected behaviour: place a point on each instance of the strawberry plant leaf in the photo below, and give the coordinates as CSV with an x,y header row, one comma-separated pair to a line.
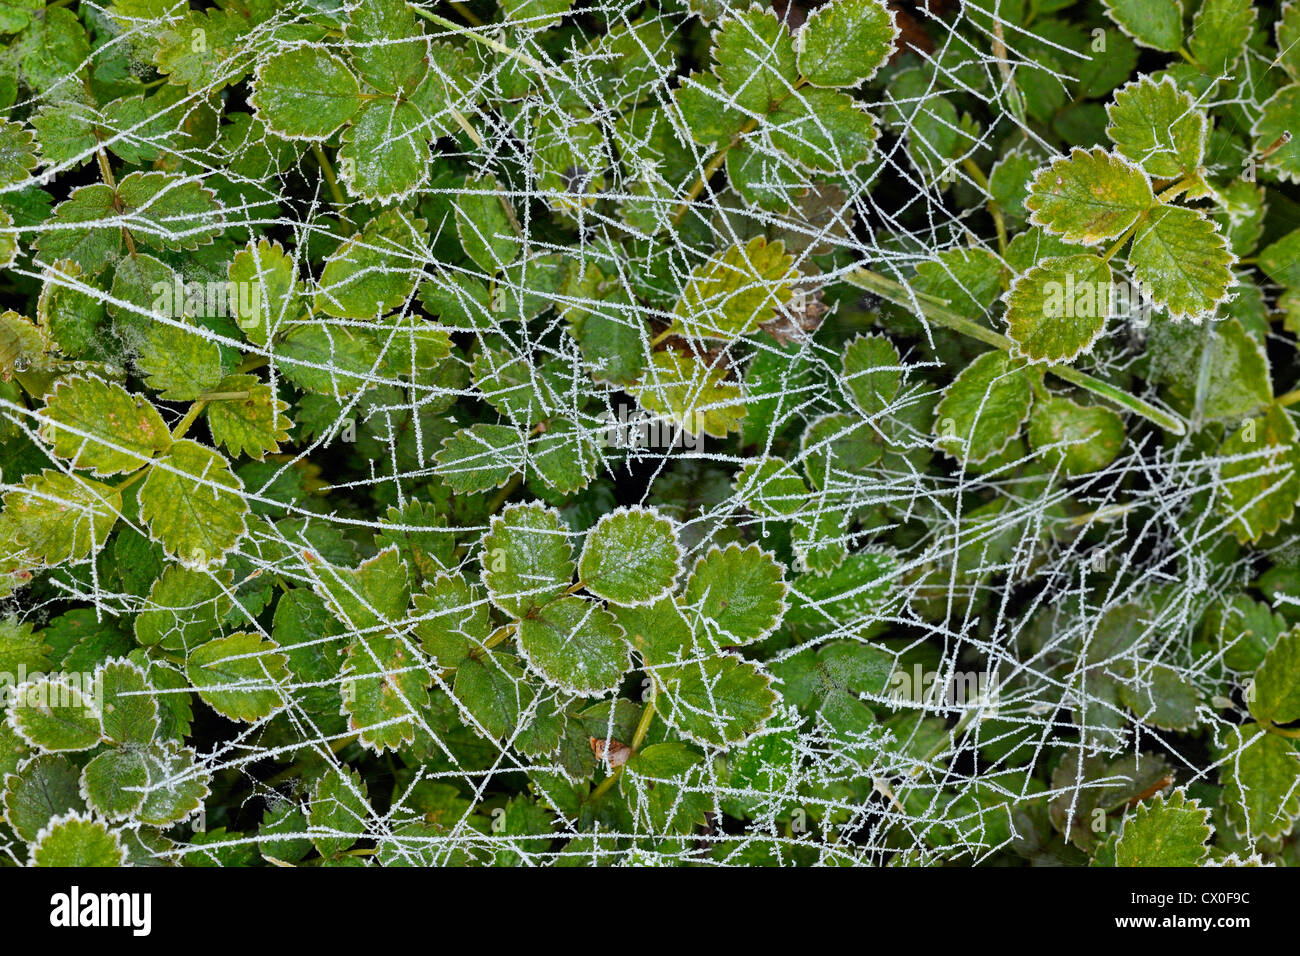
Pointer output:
x,y
191,502
845,42
575,645
1058,309
1089,196
631,557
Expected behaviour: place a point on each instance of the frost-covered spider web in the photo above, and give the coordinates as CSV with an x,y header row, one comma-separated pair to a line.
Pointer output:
x,y
1008,701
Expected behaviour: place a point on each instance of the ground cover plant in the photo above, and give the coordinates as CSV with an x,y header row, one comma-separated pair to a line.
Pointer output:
x,y
687,432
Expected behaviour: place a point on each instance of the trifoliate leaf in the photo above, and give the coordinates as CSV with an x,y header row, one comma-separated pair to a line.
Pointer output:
x,y
252,426
1276,696
52,517
1258,770
480,457
736,595
872,372
128,708
192,504
576,645
374,272
1261,476
844,42
526,557
719,701
74,840
1080,439
42,788
384,688
486,225
55,714
736,291
339,811
1167,831
1159,127
240,676
1089,197
305,93
692,394
102,427
1156,24
1059,308
1181,261
113,784
983,407
631,557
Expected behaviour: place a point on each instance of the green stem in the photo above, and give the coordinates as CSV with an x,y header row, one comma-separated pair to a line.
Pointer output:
x,y
1290,398
994,209
327,170
663,336
223,396
485,41
510,488
1120,242
901,295
638,738
463,9
184,424
1291,733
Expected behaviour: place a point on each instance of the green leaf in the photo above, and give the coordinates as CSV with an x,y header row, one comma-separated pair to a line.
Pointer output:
x,y
179,363
1287,32
241,676
1167,831
1159,127
339,811
566,457
736,291
718,701
252,426
55,714
1220,31
485,222
1260,491
1162,697
872,370
193,505
1259,771
982,409
631,557
526,557
1279,117
771,487
480,457
114,783
177,785
102,427
44,787
384,155
268,289
52,517
184,608
824,130
1078,439
167,211
1058,309
1089,197
451,619
1182,261
490,691
659,632
128,709
92,247
1156,24
373,596
736,595
693,395
17,152
386,45
1276,697
374,272
305,93
74,840
576,645
844,43
755,60
384,688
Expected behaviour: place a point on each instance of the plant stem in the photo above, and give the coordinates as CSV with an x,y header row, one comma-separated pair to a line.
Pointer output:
x,y
485,41
463,9
662,336
1290,398
638,738
994,209
327,170
901,295
223,396
510,488
1291,733
1120,242
184,424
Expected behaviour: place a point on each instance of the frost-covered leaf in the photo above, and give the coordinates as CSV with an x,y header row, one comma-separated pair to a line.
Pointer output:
x,y
1156,24
42,788
485,224
755,59
844,42
255,425
983,408
736,594
1159,127
1167,831
113,783
372,273
52,517
692,394
576,645
1080,438
872,372
1089,196
1259,771
1261,474
480,457
384,687
241,676
55,714
305,93
736,291
128,707
1058,309
1181,261
526,557
339,811
720,700
191,502
1276,695
452,619
102,427
1275,143
1219,33
74,840
630,557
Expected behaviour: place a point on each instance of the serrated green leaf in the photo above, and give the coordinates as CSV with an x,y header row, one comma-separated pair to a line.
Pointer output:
x,y
480,457
1219,33
192,503
771,487
305,93
1159,127
452,619
114,783
982,409
631,557
55,714
52,517
1259,770
102,427
128,708
73,840
252,426
576,645
1181,261
693,395
241,676
1089,196
179,363
268,275
526,557
872,372
1156,24
485,223
44,787
755,60
1059,308
339,811
1080,439
844,42
1278,149
736,595
384,688
1167,831
374,272
1262,484
719,701
1276,697
736,291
